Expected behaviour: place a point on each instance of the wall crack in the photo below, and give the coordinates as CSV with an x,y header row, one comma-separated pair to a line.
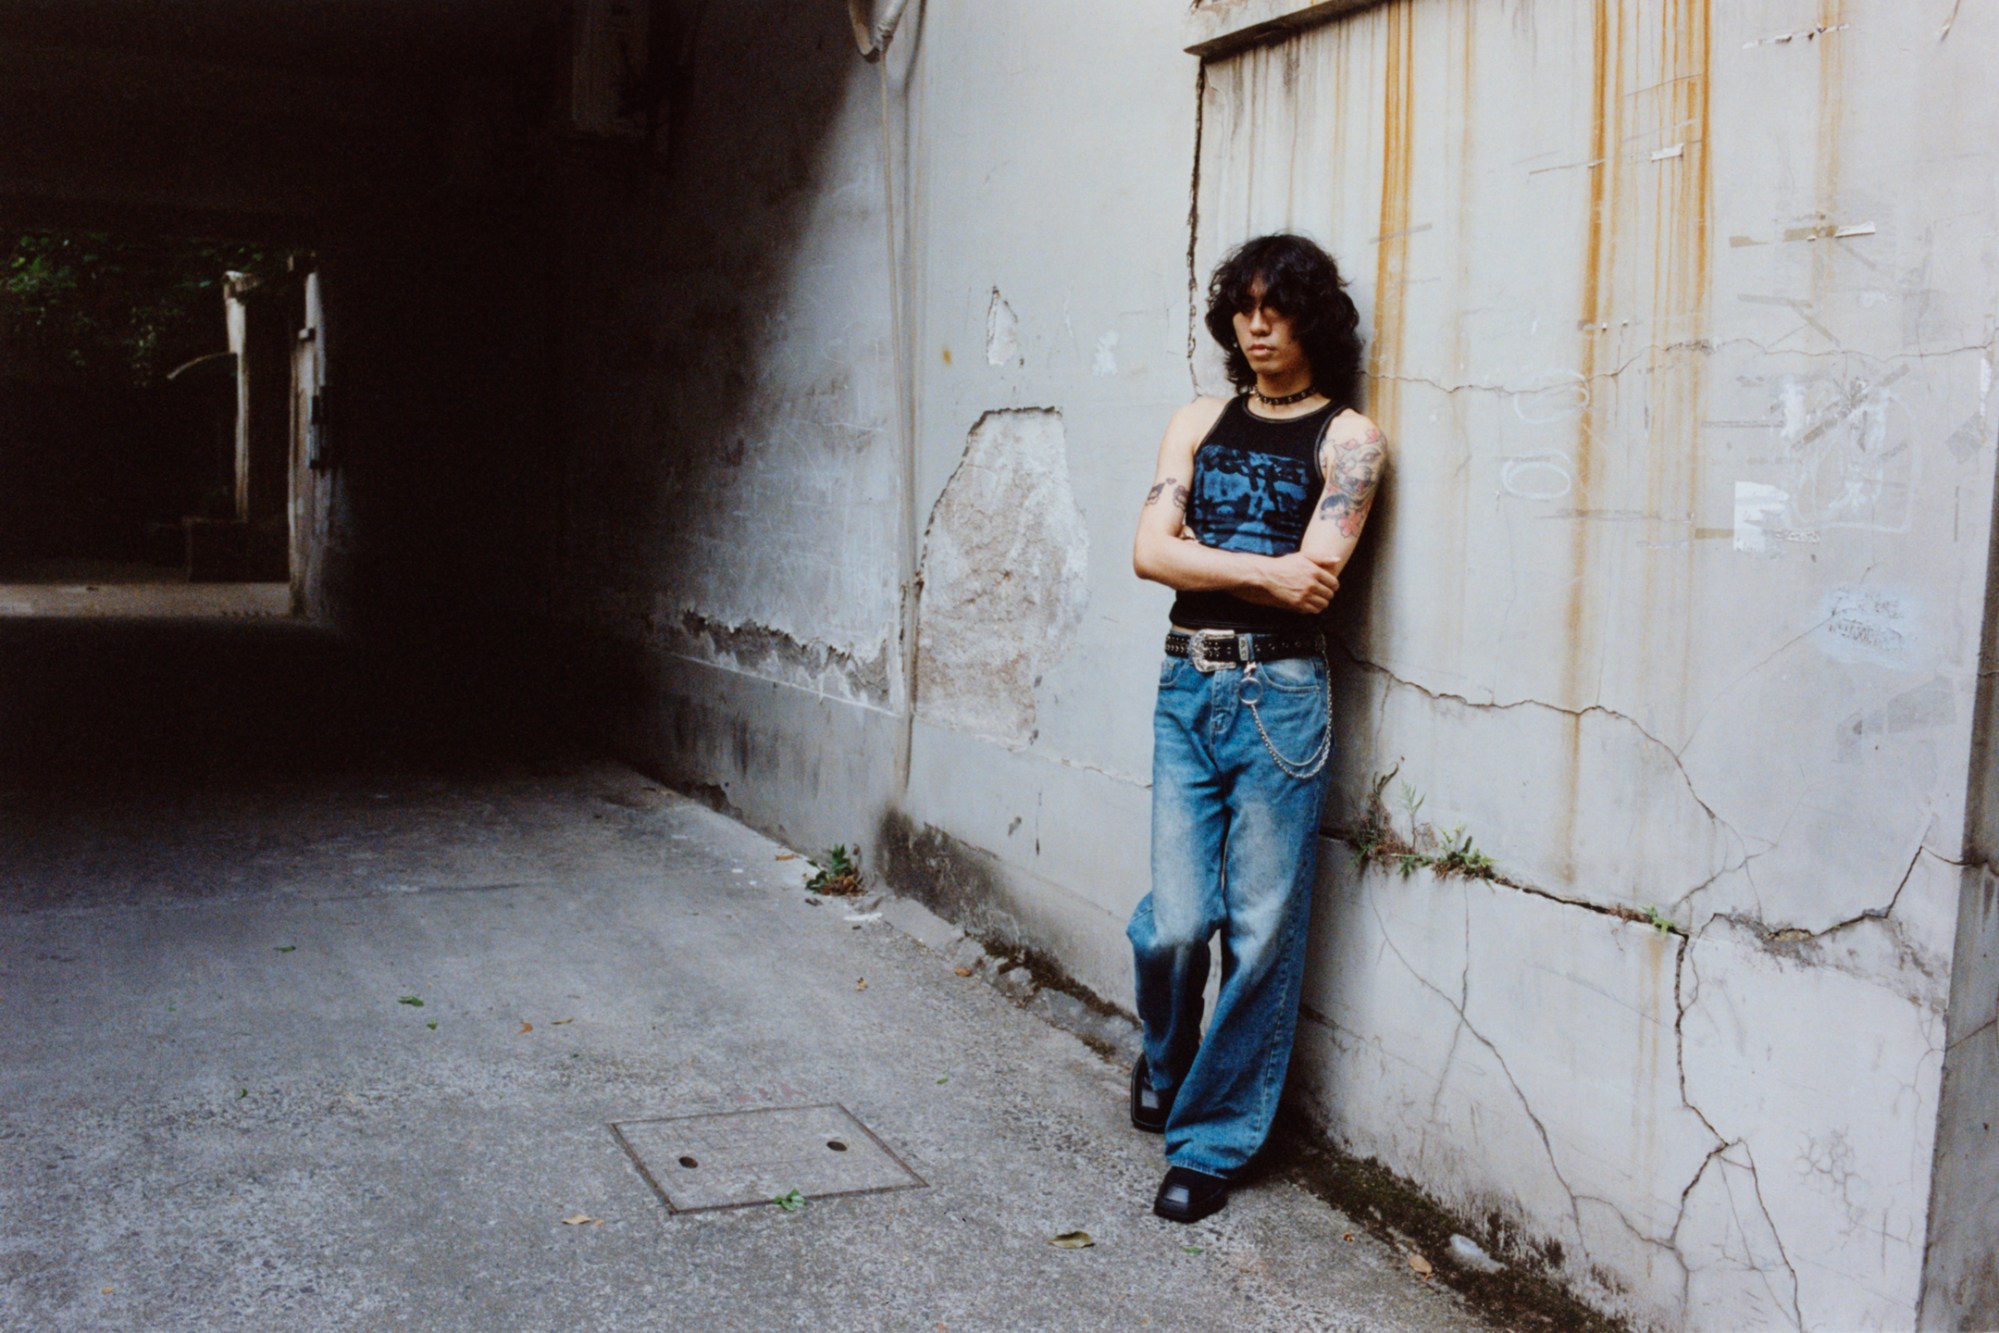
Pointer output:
x,y
1577,713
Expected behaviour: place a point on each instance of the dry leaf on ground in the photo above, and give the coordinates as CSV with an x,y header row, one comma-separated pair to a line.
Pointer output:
x,y
525,1027
962,971
861,984
582,1219
560,1021
1073,1240
1419,1263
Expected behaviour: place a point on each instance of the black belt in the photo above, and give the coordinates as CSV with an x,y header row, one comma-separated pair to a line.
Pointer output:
x,y
1213,649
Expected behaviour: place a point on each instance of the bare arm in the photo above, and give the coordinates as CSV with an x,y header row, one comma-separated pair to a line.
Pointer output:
x,y
1353,457
1295,581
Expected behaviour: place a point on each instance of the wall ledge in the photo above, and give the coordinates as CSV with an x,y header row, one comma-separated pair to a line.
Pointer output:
x,y
1217,28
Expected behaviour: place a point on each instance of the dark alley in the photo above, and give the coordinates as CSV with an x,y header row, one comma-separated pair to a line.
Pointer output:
x,y
501,499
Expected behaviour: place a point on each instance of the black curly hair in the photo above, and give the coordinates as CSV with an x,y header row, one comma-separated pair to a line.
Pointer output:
x,y
1301,281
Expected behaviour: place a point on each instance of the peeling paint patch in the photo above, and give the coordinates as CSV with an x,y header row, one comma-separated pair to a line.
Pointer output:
x,y
1965,442
1105,362
1803,34
1759,519
1925,708
763,650
1001,587
1002,332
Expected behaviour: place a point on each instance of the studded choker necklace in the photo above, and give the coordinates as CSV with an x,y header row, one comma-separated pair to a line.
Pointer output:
x,y
1284,400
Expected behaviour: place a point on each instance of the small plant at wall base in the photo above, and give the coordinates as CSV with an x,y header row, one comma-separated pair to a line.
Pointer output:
x,y
1375,838
837,872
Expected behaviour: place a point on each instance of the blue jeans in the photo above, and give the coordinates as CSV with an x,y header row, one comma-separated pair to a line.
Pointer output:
x,y
1234,846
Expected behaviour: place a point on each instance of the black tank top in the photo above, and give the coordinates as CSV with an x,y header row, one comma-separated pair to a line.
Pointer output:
x,y
1255,482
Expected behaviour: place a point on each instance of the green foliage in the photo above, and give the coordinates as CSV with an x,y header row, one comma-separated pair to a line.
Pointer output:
x,y
837,872
1412,801
1459,857
1373,838
790,1201
129,308
1376,839
1658,920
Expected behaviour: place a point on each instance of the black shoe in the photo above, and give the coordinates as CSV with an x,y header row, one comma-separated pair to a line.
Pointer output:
x,y
1187,1195
1148,1108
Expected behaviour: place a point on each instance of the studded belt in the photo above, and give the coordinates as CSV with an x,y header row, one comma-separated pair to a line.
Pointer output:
x,y
1214,649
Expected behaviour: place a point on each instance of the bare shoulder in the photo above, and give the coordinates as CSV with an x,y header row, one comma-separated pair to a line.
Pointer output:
x,y
1196,418
1351,428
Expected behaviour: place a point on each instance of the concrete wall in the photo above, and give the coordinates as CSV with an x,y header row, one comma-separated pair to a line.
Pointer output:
x,y
731,516
1682,316
1682,323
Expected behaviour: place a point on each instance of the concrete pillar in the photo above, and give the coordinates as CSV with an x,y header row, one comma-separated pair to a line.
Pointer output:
x,y
263,321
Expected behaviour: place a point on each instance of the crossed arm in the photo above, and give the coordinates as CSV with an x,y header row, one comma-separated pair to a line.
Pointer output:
x,y
1352,457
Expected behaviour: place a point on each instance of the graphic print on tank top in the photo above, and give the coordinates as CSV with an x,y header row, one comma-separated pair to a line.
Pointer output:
x,y
1247,500
1254,483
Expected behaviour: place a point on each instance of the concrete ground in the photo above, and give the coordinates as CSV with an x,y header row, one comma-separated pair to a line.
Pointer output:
x,y
82,588
218,1111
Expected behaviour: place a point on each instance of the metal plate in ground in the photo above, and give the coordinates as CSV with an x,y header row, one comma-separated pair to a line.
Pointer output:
x,y
740,1158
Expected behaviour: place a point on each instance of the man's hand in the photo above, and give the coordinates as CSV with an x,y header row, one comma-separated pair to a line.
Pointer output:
x,y
1300,583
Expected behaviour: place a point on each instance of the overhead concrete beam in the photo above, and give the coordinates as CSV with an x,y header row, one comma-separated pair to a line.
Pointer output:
x,y
1222,27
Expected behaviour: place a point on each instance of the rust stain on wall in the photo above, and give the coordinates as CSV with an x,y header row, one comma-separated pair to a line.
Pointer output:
x,y
1392,251
1832,97
1681,299
1452,537
1599,257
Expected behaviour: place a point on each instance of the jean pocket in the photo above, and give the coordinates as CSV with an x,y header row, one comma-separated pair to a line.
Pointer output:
x,y
1166,665
1298,674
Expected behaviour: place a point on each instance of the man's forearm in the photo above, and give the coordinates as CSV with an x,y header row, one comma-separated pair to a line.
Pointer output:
x,y
1187,566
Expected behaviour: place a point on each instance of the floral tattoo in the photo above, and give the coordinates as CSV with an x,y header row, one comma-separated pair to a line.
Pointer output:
x,y
1351,481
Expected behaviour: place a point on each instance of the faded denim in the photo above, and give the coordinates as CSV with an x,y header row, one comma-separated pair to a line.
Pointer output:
x,y
1234,848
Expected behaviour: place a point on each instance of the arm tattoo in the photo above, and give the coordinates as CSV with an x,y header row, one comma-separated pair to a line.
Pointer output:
x,y
1351,481
1169,487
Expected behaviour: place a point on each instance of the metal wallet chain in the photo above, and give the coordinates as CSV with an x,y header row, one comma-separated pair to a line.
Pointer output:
x,y
1308,768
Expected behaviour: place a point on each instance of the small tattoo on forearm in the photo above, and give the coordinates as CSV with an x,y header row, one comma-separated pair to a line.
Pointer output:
x,y
1170,488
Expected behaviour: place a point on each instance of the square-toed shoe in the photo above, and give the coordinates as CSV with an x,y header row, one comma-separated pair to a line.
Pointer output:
x,y
1148,1108
1187,1195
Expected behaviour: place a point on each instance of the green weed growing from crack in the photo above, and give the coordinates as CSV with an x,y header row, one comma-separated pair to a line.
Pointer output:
x,y
1376,839
837,873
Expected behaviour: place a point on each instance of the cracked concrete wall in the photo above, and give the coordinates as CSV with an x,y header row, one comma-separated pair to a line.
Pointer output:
x,y
1682,316
1002,584
729,554
1961,1267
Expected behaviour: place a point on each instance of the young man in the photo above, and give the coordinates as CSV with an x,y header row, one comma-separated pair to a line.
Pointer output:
x,y
1255,508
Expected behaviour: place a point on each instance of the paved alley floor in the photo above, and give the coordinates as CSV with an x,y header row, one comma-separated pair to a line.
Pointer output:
x,y
222,1106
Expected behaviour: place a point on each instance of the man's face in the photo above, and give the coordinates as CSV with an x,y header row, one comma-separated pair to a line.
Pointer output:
x,y
1265,336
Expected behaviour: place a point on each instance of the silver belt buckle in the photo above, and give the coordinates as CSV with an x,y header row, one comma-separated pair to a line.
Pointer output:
x,y
1197,649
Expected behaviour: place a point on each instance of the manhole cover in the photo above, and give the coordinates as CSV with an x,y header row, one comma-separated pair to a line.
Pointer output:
x,y
740,1158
